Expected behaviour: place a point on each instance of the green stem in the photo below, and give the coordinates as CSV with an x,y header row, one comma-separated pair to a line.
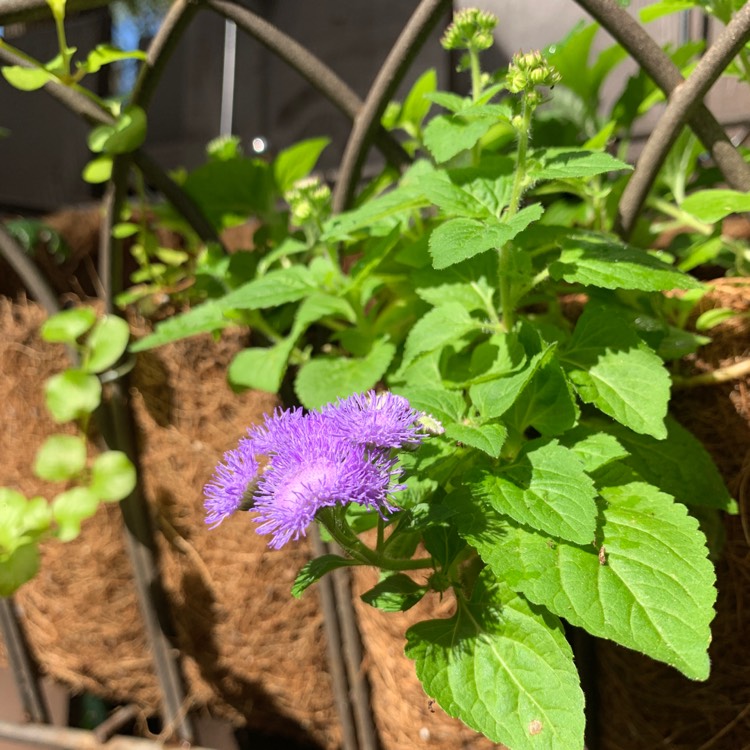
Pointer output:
x,y
519,179
63,44
476,75
682,216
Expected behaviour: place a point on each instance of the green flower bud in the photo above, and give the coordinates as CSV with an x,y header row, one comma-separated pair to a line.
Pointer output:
x,y
471,30
530,70
309,201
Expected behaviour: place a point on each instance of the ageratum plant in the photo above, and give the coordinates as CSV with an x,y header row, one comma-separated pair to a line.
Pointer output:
x,y
484,383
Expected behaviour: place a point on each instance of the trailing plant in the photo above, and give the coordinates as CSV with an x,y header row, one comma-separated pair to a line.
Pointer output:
x,y
71,396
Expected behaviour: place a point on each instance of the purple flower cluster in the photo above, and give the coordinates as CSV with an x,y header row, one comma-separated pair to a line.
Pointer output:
x,y
296,463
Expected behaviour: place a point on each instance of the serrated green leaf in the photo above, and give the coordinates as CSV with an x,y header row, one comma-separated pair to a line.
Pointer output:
x,y
113,476
458,239
495,397
17,568
446,406
594,449
545,488
26,79
106,343
445,136
451,198
60,457
597,261
72,394
488,438
417,105
70,509
504,668
547,403
678,464
569,163
315,569
448,100
297,161
323,380
647,584
67,326
608,364
714,205
395,593
440,326
261,368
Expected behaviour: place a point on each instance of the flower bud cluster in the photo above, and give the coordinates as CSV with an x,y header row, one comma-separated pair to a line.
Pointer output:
x,y
309,201
471,30
530,70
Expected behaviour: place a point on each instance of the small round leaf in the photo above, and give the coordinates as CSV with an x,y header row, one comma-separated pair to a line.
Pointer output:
x,y
61,457
70,509
106,343
98,170
17,568
66,326
72,394
112,476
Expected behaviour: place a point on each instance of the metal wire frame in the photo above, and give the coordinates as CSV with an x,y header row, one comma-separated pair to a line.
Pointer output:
x,y
358,728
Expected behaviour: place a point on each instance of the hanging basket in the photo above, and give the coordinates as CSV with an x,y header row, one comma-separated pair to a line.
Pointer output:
x,y
250,653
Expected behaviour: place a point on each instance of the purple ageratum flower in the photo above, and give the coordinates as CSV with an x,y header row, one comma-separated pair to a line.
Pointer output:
x,y
225,492
310,469
380,420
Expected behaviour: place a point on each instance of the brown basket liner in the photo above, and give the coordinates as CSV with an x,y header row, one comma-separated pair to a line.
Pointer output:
x,y
250,653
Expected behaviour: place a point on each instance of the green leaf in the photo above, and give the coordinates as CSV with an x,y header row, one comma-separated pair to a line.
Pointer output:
x,y
417,105
678,464
445,136
21,520
315,569
660,9
125,135
547,403
106,343
439,327
26,79
60,457
106,54
504,668
488,438
594,449
67,326
229,192
714,205
261,368
70,508
569,163
113,476
647,584
494,397
72,394
458,239
297,161
19,566
446,406
323,380
597,261
98,170
545,488
395,593
608,364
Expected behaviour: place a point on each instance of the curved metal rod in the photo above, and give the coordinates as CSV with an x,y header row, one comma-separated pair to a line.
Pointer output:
x,y
647,53
174,25
313,70
382,90
682,101
19,11
29,273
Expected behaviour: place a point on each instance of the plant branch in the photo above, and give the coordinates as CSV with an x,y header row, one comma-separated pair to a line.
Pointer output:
x,y
391,73
647,53
682,101
313,70
726,374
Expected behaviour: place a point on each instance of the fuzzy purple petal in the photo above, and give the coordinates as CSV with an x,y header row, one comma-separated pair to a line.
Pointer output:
x,y
225,492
